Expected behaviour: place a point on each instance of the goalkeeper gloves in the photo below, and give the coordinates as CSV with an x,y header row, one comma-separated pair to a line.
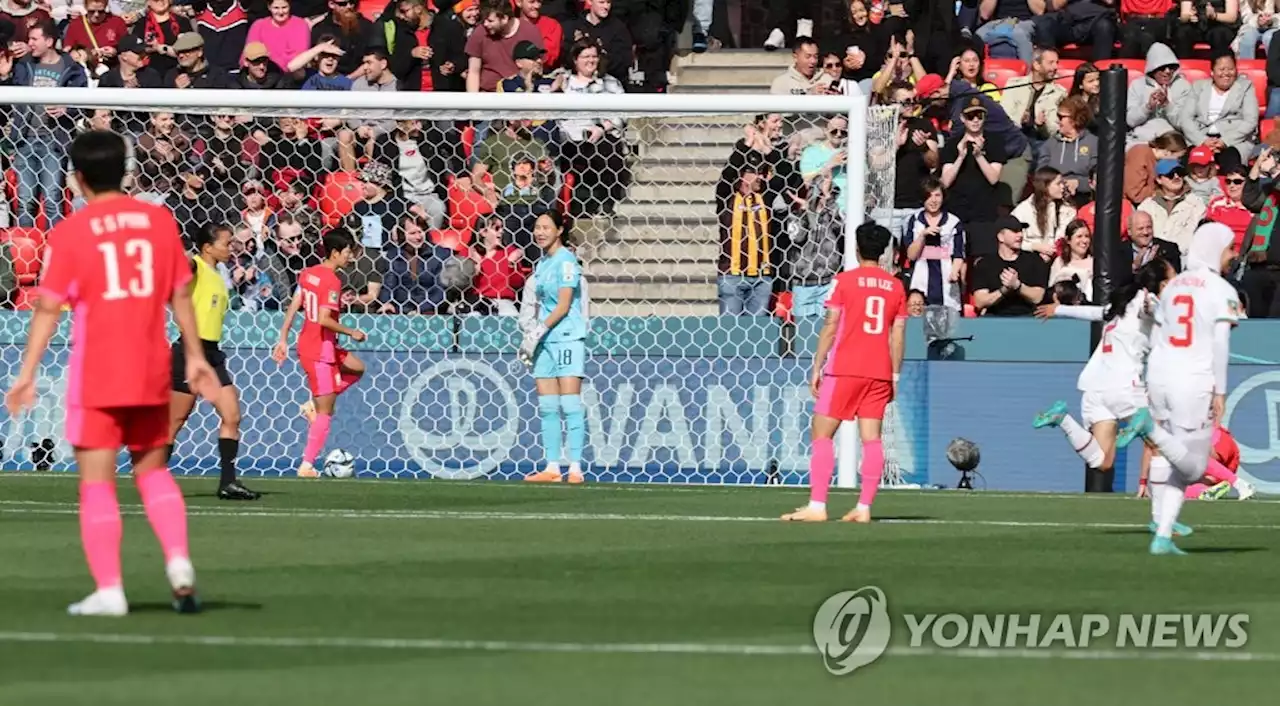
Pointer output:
x,y
529,344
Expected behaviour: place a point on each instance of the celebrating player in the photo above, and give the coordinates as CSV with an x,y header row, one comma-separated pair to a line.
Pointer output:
x,y
866,321
117,262
330,369
1187,375
553,317
1111,383
209,296
1219,478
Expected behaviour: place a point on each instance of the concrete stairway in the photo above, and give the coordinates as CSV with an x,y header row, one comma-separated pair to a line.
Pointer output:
x,y
657,255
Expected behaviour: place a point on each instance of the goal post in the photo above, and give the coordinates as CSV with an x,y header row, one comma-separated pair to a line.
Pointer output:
x,y
675,390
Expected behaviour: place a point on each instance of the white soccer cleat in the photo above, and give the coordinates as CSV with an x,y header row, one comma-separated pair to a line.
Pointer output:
x,y
108,602
804,28
776,40
1245,490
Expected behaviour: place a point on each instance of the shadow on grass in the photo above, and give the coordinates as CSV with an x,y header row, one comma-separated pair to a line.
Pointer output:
x,y
1222,550
206,606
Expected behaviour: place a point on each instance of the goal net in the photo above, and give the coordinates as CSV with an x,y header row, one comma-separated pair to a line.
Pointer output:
x,y
707,229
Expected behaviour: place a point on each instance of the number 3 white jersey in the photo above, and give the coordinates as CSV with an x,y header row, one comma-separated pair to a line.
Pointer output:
x,y
1182,342
1118,360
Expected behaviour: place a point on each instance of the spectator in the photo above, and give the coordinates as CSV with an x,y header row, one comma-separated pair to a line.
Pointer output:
x,y
1144,22
374,217
397,32
24,15
1033,104
1146,247
1154,101
1140,164
1261,275
255,214
802,76
223,153
292,153
934,31
529,79
1013,144
158,29
326,57
250,287
419,167
163,153
550,29
412,283
594,149
41,133
1087,83
1046,213
968,67
1074,259
193,70
900,65
1218,26
376,77
862,47
1228,207
1012,281
489,53
348,29
1221,112
293,203
285,257
260,72
828,159
448,42
745,279
1007,28
764,137
1202,177
917,154
224,25
362,282
1175,211
971,166
1084,22
131,71
501,269
833,77
284,35
935,241
195,206
780,16
1073,151
524,177
1259,23
816,250
608,33
97,30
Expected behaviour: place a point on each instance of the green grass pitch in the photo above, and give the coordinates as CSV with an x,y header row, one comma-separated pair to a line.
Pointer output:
x,y
386,593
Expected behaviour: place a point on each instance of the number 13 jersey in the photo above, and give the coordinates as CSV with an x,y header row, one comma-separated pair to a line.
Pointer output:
x,y
871,302
116,263
1182,343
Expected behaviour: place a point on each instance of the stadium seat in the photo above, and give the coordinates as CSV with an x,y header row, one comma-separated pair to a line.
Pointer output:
x,y
1133,66
1065,79
468,140
24,299
1001,71
1068,66
1195,69
1266,127
1256,71
455,239
781,308
33,234
338,196
467,204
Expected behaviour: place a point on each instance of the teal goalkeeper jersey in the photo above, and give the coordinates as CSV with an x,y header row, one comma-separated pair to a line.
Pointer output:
x,y
550,275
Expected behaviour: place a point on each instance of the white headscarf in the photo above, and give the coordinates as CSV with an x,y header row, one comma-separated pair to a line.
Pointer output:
x,y
1207,245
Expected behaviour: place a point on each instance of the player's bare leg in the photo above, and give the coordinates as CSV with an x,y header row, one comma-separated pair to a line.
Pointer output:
x,y
101,531
821,467
317,433
227,404
549,412
1096,451
167,512
869,430
181,405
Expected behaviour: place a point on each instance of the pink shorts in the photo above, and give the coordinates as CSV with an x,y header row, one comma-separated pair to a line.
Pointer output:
x,y
323,377
138,428
847,398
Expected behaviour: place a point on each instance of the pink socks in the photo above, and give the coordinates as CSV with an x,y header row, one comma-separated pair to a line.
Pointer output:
x,y
100,532
316,436
166,510
821,466
872,472
1219,472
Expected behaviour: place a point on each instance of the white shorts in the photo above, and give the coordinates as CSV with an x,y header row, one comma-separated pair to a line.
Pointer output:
x,y
1182,408
1111,405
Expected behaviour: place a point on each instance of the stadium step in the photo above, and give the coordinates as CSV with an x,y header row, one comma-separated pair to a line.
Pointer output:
x,y
732,58
648,253
675,192
669,212
720,89
661,273
657,292
731,75
687,172
710,307
706,133
686,151
661,230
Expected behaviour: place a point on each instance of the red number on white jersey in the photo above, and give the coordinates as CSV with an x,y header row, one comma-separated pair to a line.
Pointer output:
x,y
1106,335
1187,304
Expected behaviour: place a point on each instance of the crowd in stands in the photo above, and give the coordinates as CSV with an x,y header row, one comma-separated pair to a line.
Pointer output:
x,y
993,200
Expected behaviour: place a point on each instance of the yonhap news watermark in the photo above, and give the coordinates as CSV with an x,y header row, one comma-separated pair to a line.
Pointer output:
x,y
852,629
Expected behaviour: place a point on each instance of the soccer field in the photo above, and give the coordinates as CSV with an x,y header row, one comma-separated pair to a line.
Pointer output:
x,y
368,592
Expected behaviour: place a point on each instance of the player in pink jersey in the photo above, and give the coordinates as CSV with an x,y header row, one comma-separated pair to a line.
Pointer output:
x,y
117,263
330,368
865,334
1220,477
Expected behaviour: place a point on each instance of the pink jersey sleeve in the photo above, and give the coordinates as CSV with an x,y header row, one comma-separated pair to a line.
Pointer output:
x,y
835,300
330,291
58,278
901,314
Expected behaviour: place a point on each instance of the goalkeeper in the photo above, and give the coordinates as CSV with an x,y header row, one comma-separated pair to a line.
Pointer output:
x,y
553,324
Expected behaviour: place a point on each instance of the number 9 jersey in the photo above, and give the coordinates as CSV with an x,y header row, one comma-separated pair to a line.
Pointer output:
x,y
1182,346
117,263
870,302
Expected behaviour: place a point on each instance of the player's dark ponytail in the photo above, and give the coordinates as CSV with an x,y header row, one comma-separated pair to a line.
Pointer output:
x,y
563,223
1148,278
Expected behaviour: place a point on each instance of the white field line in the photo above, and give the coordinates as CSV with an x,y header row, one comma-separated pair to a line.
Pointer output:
x,y
34,507
679,648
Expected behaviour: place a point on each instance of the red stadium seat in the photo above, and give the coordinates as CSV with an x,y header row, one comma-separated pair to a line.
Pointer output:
x,y
1133,66
24,299
1065,79
338,196
1256,71
782,303
1266,127
454,239
566,194
1195,69
467,204
26,254
33,234
1001,71
468,140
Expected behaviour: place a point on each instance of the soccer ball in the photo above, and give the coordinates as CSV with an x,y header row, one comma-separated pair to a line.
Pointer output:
x,y
339,464
963,454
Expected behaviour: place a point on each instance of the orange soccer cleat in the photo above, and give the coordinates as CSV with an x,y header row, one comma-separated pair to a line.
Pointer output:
x,y
862,517
550,475
806,514
576,478
306,470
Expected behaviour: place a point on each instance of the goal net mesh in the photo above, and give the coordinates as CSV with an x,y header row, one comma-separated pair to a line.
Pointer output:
x,y
699,350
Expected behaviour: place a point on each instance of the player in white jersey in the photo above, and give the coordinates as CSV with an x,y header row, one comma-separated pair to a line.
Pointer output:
x,y
1111,384
1187,375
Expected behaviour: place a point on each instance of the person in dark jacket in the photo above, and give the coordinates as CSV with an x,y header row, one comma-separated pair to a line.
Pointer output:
x,y
224,25
353,31
448,42
414,264
397,32
608,33
158,29
259,72
194,70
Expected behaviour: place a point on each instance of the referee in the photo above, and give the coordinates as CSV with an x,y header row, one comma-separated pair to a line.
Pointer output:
x,y
209,298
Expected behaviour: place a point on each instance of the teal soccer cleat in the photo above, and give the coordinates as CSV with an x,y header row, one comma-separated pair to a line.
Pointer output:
x,y
1163,546
1051,417
1179,529
1140,424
